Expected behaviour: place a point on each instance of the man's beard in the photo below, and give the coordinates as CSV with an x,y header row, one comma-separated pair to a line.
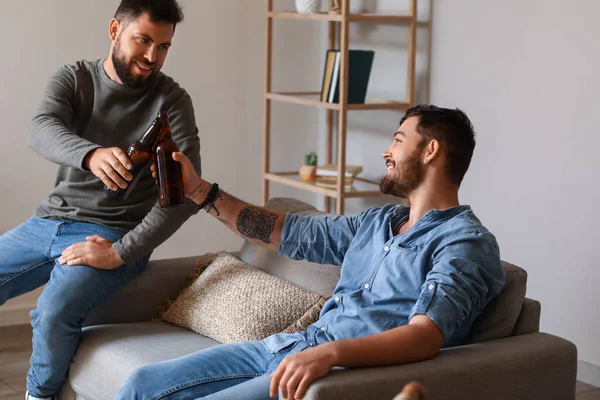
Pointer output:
x,y
409,176
123,70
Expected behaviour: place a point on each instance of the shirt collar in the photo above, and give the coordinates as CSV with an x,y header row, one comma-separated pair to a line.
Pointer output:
x,y
400,212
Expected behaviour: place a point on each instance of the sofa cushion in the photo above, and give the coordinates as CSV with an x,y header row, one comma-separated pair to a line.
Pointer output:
x,y
314,277
108,354
499,317
231,301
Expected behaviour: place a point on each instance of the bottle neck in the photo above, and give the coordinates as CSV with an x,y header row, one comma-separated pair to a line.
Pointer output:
x,y
152,134
165,133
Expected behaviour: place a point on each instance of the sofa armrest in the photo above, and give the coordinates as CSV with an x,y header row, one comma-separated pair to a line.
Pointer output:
x,y
535,366
139,299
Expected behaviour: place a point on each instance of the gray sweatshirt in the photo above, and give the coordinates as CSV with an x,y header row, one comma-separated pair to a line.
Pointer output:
x,y
83,109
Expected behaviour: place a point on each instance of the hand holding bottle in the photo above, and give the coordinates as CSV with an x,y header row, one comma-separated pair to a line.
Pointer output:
x,y
111,165
137,156
191,180
170,182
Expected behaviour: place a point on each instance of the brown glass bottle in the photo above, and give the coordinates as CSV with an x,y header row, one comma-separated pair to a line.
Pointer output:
x,y
169,178
140,153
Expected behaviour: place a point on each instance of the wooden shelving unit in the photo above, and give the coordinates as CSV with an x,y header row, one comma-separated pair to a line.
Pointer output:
x,y
338,28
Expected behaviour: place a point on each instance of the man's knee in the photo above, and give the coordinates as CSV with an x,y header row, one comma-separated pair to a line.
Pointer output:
x,y
134,385
58,308
73,291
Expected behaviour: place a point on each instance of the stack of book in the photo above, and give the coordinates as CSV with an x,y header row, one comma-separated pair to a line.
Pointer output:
x,y
359,71
327,176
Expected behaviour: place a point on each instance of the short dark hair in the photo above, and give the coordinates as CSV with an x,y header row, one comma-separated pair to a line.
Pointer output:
x,y
158,10
453,130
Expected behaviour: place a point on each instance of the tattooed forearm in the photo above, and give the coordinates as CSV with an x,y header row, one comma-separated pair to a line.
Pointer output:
x,y
256,223
250,222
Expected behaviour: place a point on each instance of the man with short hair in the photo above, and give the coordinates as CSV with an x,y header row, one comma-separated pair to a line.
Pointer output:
x,y
412,280
82,244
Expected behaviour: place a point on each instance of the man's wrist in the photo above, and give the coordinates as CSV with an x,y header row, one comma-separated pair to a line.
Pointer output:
x,y
116,256
87,159
333,352
199,194
118,261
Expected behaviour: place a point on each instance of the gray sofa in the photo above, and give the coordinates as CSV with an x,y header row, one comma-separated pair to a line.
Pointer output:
x,y
506,356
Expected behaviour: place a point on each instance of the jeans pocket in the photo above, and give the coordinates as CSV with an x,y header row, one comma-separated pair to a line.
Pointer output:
x,y
292,348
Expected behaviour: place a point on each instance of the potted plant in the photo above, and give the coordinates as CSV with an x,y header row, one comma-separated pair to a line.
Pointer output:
x,y
308,171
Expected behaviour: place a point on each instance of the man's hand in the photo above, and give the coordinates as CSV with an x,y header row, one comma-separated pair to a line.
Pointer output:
x,y
191,180
296,372
111,165
96,251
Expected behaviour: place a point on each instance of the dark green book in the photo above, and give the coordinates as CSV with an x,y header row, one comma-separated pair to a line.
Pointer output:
x,y
359,71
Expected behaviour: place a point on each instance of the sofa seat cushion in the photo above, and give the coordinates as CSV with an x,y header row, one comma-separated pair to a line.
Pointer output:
x,y
108,354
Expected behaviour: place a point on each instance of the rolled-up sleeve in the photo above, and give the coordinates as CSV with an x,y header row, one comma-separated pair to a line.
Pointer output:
x,y
323,240
466,274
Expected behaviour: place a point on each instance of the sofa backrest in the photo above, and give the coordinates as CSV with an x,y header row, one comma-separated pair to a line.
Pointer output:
x,y
498,320
314,277
529,319
500,316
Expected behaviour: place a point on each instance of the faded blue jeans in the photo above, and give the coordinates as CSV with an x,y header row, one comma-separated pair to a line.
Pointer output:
x,y
28,255
224,372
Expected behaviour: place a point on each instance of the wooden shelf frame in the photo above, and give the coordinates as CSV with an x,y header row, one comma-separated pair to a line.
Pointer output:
x,y
338,37
379,18
304,99
291,179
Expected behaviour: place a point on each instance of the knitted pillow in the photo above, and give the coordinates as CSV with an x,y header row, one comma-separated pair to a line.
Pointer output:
x,y
231,301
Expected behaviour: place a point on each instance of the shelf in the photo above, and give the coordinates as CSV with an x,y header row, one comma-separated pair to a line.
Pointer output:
x,y
314,99
382,18
338,37
308,17
360,188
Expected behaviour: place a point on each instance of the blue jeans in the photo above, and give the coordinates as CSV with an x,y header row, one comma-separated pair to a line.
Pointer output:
x,y
224,372
28,255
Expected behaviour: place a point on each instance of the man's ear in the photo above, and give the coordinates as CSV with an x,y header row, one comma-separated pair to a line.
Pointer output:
x,y
113,29
432,151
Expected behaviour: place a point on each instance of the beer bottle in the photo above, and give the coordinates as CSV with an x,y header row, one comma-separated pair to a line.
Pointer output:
x,y
140,153
169,178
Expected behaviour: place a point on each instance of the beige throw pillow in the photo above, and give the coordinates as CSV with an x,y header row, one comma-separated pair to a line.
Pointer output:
x,y
231,301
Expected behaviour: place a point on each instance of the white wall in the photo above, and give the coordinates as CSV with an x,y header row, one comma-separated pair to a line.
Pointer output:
x,y
526,72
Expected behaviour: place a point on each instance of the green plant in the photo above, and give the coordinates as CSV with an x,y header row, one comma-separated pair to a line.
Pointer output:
x,y
310,158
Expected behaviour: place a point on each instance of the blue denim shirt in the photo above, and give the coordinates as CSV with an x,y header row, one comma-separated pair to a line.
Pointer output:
x,y
447,266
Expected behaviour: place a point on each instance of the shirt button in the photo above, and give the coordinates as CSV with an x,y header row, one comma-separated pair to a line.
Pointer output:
x,y
386,248
337,299
323,329
430,287
367,286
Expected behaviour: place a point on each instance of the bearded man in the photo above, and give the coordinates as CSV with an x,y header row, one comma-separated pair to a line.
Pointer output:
x,y
412,280
80,243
